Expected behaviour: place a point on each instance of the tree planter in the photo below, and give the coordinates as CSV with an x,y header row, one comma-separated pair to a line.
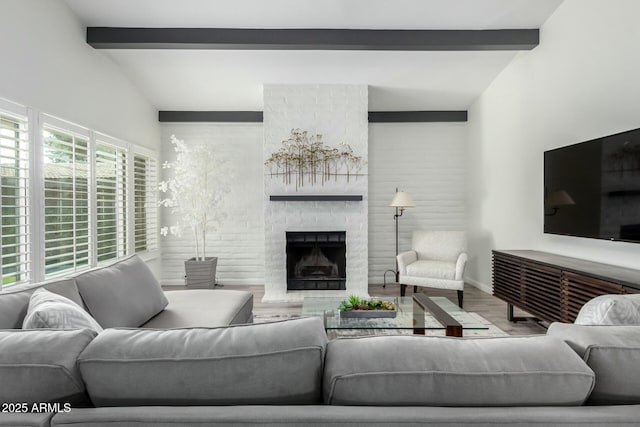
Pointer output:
x,y
200,273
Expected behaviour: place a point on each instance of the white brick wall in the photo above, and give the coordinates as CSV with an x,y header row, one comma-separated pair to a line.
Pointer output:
x,y
339,113
239,241
428,161
425,159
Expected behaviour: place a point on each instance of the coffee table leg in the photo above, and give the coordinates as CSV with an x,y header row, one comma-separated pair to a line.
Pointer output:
x,y
454,331
452,327
418,319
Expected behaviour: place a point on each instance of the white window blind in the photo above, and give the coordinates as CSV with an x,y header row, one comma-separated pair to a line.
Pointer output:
x,y
145,182
15,266
66,200
111,201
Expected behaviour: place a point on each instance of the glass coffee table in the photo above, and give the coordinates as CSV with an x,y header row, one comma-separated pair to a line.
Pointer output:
x,y
418,313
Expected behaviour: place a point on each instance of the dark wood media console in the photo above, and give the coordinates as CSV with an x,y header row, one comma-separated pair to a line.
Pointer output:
x,y
554,287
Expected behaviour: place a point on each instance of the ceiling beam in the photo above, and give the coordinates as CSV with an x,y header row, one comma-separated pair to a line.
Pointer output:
x,y
310,39
257,116
211,116
416,116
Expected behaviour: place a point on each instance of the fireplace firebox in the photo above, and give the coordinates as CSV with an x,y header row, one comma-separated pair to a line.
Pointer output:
x,y
316,260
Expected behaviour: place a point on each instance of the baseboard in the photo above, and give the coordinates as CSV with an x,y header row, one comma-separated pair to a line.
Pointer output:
x,y
227,282
483,287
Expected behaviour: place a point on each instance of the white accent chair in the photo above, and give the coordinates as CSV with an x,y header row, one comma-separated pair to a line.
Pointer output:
x,y
436,260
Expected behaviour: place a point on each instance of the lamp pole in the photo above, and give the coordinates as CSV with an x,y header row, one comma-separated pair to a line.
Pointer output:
x,y
400,202
395,218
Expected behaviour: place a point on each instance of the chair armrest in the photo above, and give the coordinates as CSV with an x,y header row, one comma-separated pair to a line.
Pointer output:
x,y
405,259
462,261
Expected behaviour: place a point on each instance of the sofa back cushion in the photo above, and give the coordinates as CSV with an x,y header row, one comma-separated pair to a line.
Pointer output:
x,y
439,245
270,363
613,353
40,366
14,301
437,371
123,294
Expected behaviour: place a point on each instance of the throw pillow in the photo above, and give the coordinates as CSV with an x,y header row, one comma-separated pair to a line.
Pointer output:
x,y
53,311
610,310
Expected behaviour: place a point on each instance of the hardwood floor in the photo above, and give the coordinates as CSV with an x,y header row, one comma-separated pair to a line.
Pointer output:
x,y
475,300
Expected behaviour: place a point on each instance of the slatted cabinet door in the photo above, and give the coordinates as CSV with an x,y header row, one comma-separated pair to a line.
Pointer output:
x,y
507,275
577,289
541,291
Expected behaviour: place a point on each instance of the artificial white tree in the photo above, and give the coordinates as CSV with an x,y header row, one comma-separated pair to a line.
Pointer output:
x,y
194,192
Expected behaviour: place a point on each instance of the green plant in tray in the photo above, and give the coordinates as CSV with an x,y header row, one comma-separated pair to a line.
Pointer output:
x,y
354,302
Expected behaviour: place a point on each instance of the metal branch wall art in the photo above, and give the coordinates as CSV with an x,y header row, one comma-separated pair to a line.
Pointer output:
x,y
305,159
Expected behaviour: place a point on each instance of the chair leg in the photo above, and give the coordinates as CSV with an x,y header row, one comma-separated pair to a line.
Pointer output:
x,y
403,290
460,293
415,289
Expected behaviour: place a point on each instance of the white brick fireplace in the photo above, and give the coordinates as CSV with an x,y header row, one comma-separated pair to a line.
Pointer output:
x,y
339,114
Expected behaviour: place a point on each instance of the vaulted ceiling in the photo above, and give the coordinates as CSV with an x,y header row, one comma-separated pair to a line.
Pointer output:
x,y
232,79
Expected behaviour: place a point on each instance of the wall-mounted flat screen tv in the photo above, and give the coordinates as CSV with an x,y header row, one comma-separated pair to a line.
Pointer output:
x,y
592,189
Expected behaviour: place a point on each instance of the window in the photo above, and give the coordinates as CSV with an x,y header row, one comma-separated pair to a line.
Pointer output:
x,y
14,192
145,203
111,201
71,198
66,201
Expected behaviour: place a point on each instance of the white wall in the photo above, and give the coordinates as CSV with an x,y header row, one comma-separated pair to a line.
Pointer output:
x,y
239,241
580,83
428,161
46,64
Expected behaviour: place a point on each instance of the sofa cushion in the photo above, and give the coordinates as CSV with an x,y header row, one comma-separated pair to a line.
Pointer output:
x,y
610,310
438,371
203,308
14,300
123,294
40,366
433,269
613,353
52,311
271,363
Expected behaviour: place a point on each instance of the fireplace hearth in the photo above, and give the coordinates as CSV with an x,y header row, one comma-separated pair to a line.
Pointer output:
x,y
316,260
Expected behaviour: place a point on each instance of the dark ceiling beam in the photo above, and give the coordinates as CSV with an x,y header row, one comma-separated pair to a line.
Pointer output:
x,y
416,116
310,39
256,116
211,116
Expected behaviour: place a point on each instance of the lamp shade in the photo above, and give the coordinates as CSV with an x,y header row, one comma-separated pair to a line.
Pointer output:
x,y
402,200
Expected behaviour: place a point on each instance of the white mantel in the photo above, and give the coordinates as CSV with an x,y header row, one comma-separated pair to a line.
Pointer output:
x,y
339,113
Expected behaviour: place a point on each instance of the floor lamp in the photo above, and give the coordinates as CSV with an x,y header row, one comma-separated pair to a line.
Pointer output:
x,y
400,201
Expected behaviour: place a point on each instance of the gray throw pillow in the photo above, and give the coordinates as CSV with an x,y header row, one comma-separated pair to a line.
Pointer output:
x,y
610,310
52,311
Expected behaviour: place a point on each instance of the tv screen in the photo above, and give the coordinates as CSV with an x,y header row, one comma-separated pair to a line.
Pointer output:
x,y
592,189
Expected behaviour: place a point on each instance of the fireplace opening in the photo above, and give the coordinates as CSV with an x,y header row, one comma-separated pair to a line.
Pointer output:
x,y
316,260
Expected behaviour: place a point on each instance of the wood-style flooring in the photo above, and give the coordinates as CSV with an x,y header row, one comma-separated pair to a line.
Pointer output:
x,y
475,300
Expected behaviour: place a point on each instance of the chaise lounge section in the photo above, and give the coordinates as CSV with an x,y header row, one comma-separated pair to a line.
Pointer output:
x,y
126,294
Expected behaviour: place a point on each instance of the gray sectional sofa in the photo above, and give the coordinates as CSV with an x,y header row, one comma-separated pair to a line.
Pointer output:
x,y
288,373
